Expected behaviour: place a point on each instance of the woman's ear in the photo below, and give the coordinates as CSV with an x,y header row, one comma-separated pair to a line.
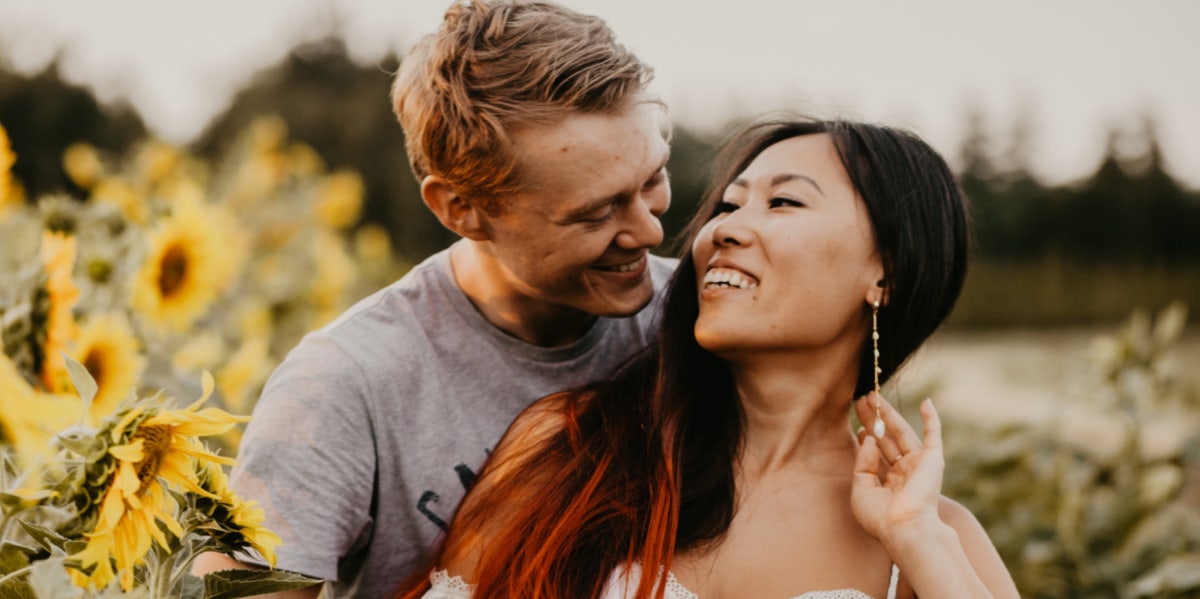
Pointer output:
x,y
454,211
877,294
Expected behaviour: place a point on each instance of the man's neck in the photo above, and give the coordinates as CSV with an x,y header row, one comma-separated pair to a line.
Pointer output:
x,y
482,280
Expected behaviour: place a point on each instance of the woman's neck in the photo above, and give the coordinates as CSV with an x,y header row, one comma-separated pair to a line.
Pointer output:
x,y
797,411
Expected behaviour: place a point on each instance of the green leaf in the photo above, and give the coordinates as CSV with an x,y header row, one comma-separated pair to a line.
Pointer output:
x,y
190,587
13,503
76,440
13,557
16,588
84,383
45,537
230,584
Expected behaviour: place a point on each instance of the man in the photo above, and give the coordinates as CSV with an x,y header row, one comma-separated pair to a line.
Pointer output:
x,y
534,139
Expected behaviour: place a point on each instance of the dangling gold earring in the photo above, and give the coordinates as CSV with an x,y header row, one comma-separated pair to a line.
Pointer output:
x,y
880,428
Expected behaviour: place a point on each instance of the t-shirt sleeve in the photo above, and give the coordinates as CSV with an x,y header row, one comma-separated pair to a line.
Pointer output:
x,y
308,458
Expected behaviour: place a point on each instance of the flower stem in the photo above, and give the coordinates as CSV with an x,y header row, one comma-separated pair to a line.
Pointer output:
x,y
15,573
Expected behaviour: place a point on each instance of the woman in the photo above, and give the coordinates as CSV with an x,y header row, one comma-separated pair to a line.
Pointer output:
x,y
723,457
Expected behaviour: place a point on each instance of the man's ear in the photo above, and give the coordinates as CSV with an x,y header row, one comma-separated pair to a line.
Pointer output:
x,y
454,211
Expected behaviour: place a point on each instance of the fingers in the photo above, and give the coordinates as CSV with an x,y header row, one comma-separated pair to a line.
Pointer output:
x,y
866,413
866,463
899,437
932,425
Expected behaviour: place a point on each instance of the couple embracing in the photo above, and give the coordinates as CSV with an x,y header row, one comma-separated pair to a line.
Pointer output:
x,y
703,446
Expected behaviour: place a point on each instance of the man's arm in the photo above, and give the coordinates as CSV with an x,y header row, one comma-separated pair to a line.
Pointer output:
x,y
212,561
305,462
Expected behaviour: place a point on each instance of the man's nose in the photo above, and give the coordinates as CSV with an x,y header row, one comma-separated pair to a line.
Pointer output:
x,y
643,229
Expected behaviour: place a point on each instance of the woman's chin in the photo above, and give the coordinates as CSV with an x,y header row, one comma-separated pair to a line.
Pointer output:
x,y
724,346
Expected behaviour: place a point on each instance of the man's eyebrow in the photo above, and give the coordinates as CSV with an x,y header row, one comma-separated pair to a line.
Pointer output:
x,y
665,160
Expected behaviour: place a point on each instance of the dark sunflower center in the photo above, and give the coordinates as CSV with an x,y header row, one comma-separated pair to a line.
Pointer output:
x,y
94,362
156,440
174,270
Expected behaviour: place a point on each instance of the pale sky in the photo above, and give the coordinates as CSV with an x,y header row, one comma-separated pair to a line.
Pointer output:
x,y
1070,68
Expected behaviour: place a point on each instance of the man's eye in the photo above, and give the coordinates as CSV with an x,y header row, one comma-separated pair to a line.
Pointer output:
x,y
599,220
658,179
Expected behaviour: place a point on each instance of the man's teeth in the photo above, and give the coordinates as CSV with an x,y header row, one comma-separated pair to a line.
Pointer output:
x,y
719,277
621,267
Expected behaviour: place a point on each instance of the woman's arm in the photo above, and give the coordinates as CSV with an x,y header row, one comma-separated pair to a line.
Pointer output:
x,y
941,549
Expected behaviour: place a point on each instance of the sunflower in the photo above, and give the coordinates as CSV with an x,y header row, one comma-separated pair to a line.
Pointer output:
x,y
188,265
151,448
339,203
81,162
335,273
202,351
243,375
7,159
156,161
58,259
29,419
109,350
120,193
236,524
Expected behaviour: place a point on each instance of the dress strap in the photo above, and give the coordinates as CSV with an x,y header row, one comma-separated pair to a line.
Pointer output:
x,y
893,582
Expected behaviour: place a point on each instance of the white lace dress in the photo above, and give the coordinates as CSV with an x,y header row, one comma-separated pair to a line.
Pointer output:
x,y
622,582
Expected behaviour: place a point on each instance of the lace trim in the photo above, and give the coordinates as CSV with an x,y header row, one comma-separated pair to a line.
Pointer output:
x,y
441,580
676,590
838,594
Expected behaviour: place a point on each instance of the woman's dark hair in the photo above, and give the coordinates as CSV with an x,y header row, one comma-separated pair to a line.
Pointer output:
x,y
918,215
642,466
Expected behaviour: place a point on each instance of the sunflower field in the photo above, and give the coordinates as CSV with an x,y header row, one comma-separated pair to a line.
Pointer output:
x,y
175,279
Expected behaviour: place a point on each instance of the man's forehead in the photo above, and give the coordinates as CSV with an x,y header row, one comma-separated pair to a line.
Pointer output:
x,y
601,153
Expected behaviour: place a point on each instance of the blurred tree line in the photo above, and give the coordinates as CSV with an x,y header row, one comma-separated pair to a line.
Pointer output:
x,y
1045,254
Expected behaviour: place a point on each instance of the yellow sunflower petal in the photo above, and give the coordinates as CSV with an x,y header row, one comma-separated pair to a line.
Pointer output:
x,y
58,259
126,481
126,420
129,452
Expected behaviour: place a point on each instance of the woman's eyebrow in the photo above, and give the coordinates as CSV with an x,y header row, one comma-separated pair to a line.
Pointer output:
x,y
786,177
780,180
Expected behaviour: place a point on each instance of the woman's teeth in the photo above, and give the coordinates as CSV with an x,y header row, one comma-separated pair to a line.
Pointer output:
x,y
719,277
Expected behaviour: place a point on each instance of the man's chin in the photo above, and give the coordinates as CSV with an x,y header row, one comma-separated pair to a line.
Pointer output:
x,y
623,306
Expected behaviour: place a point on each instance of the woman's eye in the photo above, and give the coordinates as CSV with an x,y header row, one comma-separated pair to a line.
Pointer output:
x,y
780,202
723,207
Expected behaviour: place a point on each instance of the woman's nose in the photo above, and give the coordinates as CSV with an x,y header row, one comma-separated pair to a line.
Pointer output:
x,y
733,230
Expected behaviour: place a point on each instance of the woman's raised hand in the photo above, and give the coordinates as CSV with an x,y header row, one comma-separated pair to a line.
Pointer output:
x,y
897,479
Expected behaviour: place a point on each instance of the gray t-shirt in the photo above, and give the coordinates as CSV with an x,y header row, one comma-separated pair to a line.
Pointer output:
x,y
371,429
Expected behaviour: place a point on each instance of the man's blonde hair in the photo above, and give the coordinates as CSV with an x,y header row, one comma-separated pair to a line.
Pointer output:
x,y
493,67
